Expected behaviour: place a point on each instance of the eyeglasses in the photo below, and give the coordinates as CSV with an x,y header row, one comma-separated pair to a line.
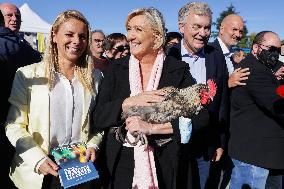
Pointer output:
x,y
198,28
99,40
271,48
121,48
10,15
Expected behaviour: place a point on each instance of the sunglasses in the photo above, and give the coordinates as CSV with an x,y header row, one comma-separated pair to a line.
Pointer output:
x,y
121,48
272,48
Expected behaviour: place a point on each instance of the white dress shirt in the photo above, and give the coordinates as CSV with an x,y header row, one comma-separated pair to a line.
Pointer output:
x,y
196,64
227,54
66,108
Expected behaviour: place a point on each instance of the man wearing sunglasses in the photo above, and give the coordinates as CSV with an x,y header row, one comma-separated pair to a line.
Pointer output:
x,y
281,57
280,66
116,46
256,145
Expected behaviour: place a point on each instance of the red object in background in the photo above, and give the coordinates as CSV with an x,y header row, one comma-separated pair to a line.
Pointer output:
x,y
280,91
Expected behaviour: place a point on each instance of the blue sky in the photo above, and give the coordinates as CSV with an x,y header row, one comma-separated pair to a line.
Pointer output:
x,y
110,15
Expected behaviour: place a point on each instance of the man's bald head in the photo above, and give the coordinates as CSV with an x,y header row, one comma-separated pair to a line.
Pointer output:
x,y
231,29
12,16
232,17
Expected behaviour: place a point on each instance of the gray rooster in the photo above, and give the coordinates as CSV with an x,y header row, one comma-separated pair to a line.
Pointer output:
x,y
178,102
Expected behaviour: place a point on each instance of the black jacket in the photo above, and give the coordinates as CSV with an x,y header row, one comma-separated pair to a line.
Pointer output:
x,y
113,90
257,118
205,143
226,120
14,53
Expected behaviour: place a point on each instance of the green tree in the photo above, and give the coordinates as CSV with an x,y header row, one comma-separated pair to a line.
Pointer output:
x,y
230,10
251,37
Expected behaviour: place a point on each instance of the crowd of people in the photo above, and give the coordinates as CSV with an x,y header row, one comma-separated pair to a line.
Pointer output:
x,y
85,80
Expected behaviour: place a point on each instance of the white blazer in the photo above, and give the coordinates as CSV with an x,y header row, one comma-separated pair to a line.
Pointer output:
x,y
28,124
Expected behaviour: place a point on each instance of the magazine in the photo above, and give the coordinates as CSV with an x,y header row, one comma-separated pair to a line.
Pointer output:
x,y
74,169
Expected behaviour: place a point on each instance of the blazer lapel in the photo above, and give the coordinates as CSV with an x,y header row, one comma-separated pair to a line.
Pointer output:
x,y
88,102
217,45
39,104
209,63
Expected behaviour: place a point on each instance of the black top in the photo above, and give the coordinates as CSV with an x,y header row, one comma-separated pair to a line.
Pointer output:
x,y
113,89
257,118
14,53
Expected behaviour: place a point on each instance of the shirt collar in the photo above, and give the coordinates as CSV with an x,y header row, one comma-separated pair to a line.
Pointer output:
x,y
185,53
224,48
59,75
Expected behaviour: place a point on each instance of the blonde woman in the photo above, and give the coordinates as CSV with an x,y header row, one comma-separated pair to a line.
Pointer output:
x,y
50,103
134,80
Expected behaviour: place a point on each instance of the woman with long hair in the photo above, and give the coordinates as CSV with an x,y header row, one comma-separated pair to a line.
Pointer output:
x,y
134,81
50,104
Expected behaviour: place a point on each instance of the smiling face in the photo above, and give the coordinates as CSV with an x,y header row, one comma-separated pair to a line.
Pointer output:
x,y
231,30
196,32
141,38
71,40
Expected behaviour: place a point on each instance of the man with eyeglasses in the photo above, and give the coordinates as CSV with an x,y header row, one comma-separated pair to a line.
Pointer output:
x,y
206,145
14,53
256,144
12,16
98,49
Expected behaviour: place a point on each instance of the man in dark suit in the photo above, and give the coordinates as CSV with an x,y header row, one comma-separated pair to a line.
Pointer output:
x,y
230,33
14,53
195,24
256,144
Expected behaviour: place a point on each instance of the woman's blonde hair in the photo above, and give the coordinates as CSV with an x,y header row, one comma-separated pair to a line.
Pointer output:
x,y
156,20
83,67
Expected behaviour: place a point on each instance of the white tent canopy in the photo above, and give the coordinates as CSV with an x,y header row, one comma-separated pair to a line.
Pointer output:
x,y
31,22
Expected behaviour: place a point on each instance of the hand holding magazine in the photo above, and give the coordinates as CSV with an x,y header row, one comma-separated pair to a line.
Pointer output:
x,y
74,168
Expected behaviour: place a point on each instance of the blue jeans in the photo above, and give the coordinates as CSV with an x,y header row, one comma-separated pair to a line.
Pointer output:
x,y
203,169
274,180
245,175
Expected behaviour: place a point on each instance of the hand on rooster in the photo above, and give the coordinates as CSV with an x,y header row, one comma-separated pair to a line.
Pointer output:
x,y
177,102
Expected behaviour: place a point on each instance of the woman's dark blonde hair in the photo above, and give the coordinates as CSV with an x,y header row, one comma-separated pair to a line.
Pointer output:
x,y
156,20
84,66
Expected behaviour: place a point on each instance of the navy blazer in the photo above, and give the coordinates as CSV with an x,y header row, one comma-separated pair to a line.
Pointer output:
x,y
215,136
14,53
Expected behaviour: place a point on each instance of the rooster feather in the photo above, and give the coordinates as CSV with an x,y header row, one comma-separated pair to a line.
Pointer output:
x,y
178,102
